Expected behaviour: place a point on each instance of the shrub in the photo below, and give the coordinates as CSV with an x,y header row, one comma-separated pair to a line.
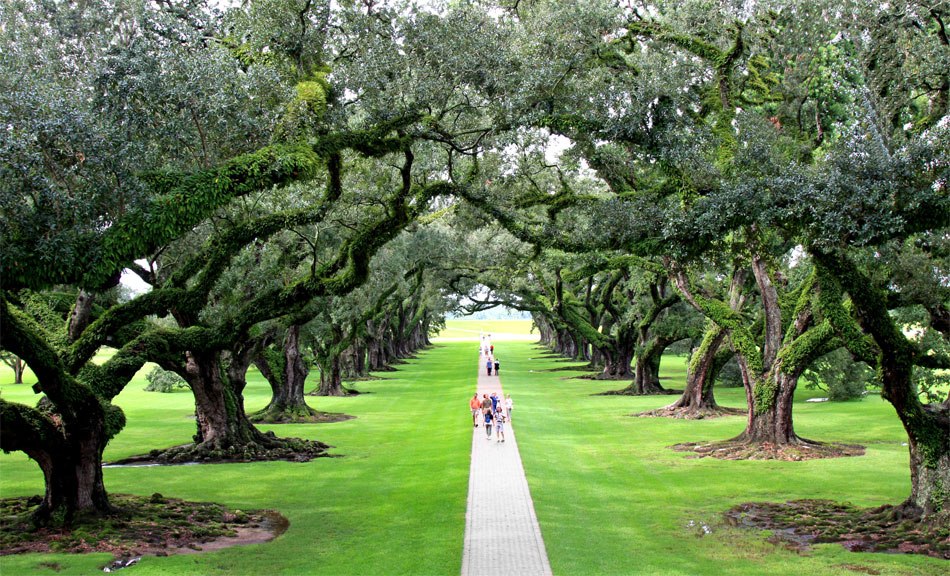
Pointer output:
x,y
164,381
840,376
730,376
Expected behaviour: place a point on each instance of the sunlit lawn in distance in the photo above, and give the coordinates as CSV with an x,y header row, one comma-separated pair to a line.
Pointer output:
x,y
610,496
500,330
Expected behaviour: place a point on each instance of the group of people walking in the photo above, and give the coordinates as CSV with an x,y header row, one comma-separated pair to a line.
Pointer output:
x,y
491,412
486,348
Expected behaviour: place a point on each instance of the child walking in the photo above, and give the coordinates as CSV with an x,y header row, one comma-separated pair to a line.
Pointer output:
x,y
500,426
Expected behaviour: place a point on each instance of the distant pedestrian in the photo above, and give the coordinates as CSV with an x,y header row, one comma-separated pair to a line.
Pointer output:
x,y
496,366
488,365
508,405
488,421
475,405
491,349
499,426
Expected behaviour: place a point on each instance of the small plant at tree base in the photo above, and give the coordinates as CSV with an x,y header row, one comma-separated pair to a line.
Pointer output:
x,y
160,380
840,376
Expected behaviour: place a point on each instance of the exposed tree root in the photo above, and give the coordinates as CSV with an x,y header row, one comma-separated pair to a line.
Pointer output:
x,y
800,523
686,413
629,392
346,392
602,376
297,416
156,526
367,378
269,448
746,450
583,368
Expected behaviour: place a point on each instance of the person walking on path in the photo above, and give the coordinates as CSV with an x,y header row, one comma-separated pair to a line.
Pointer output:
x,y
486,405
491,349
508,405
488,422
475,405
488,365
496,366
499,426
494,402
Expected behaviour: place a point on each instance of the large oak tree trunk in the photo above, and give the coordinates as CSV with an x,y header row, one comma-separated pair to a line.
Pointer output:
x,y
929,478
773,424
698,399
617,363
646,376
219,409
287,375
331,380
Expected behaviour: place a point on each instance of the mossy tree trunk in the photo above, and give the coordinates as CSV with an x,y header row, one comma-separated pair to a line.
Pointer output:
x,y
771,376
646,377
65,434
618,360
222,424
71,466
544,329
770,372
286,372
704,365
887,347
331,379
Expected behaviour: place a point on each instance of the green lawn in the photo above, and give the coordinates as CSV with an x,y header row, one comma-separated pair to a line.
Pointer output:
x,y
394,503
611,498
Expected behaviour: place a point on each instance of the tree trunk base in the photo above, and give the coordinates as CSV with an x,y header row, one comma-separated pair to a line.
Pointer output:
x,y
743,449
267,448
800,523
146,526
342,392
632,391
691,413
296,415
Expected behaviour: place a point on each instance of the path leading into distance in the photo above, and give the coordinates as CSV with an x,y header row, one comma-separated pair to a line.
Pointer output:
x,y
502,535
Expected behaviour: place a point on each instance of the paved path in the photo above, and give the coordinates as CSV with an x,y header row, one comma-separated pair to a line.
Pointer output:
x,y
502,536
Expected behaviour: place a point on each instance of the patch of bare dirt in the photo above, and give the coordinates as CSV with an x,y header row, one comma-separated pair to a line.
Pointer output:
x,y
800,523
141,526
739,450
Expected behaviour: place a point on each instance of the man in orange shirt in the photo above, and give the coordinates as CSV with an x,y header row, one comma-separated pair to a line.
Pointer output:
x,y
475,405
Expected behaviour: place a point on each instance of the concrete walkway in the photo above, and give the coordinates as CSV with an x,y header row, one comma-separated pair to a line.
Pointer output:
x,y
502,536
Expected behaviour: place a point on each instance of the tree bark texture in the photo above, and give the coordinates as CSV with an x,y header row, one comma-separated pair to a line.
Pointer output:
x,y
286,373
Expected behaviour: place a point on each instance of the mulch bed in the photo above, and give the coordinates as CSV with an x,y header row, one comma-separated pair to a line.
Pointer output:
x,y
800,523
141,526
729,450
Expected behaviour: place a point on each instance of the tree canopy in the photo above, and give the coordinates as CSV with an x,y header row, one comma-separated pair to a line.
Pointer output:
x,y
321,182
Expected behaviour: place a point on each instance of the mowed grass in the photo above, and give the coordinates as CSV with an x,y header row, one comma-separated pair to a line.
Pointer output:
x,y
610,496
393,503
613,499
